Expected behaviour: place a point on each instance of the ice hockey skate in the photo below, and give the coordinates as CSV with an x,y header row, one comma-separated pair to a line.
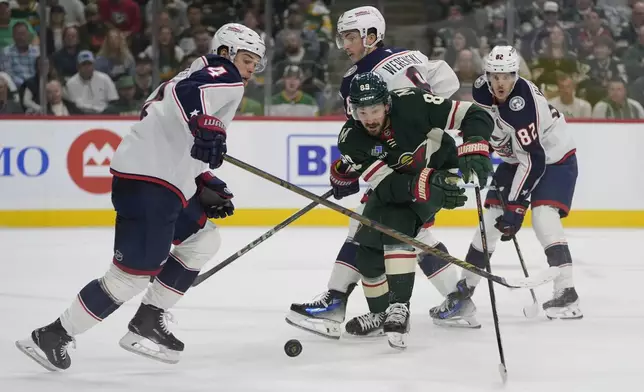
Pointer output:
x,y
458,310
149,325
322,316
366,326
48,346
396,325
564,305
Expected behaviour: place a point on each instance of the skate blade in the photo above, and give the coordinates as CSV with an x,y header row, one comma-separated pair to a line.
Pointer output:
x,y
326,328
458,322
397,340
132,342
31,349
566,313
377,334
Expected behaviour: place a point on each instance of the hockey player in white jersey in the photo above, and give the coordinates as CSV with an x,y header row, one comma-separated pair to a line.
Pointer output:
x,y
539,170
360,33
162,193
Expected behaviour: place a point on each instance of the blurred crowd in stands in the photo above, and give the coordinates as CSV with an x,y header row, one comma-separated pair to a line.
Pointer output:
x,y
587,56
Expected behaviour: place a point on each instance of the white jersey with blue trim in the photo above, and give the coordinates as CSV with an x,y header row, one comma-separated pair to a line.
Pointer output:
x,y
528,132
402,68
158,147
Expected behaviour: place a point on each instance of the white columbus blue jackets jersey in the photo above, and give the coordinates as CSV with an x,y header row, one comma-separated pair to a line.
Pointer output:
x,y
402,68
528,132
158,147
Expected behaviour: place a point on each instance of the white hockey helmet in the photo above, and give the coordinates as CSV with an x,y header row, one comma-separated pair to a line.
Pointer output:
x,y
361,19
235,37
502,59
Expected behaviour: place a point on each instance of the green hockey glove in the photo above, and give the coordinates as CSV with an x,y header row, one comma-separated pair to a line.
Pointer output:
x,y
439,188
474,155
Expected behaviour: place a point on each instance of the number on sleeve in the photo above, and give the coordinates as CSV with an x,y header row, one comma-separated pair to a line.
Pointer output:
x,y
417,79
555,113
435,99
216,71
156,98
527,135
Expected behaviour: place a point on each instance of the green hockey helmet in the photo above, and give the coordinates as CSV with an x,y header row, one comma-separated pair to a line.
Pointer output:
x,y
367,89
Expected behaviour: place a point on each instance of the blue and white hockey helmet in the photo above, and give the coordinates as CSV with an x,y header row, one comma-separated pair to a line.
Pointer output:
x,y
502,59
235,37
361,19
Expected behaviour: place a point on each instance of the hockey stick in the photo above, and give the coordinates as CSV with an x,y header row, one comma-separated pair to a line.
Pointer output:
x,y
534,281
258,241
479,208
529,311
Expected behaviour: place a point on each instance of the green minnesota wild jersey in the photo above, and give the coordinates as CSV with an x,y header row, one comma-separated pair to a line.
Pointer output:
x,y
414,138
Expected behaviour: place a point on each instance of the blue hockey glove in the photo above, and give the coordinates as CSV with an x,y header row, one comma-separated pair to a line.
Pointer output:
x,y
214,196
510,222
210,140
344,180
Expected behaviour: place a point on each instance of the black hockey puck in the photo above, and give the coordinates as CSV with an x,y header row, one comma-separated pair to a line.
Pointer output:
x,y
293,348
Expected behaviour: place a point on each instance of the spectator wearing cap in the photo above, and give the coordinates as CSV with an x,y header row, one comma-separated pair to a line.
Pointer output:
x,y
591,28
616,105
142,77
89,89
65,60
56,104
94,31
598,69
566,101
19,59
6,25
30,90
124,15
114,58
534,41
126,105
292,101
7,105
55,29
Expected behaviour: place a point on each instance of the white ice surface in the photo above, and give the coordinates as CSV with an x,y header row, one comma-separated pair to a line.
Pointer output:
x,y
234,330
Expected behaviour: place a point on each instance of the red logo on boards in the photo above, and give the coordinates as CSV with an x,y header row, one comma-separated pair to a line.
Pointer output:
x,y
89,159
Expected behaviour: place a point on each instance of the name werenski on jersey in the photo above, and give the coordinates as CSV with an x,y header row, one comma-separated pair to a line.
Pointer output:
x,y
399,63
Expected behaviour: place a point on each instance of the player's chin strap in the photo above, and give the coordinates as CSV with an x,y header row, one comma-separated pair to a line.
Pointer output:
x,y
534,281
259,240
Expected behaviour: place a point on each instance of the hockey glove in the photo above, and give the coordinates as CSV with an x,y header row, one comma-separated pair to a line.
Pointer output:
x,y
214,196
344,180
510,222
474,155
210,140
439,188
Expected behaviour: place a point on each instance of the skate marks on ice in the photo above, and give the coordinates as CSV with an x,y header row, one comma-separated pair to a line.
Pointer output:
x,y
234,330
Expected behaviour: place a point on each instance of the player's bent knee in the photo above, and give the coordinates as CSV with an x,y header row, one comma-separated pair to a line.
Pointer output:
x,y
547,226
199,248
122,286
426,237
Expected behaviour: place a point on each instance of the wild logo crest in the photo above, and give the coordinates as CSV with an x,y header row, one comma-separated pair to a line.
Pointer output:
x,y
413,161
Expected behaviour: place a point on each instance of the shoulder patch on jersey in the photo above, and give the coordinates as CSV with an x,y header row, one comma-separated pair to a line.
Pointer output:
x,y
351,71
479,82
516,103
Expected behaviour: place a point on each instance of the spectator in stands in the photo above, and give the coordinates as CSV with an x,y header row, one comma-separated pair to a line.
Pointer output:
x,y
201,42
577,13
56,104
65,59
464,38
177,11
27,10
13,90
126,105
74,12
566,102
170,55
94,31
591,28
292,101
7,105
124,15
598,69
19,59
467,67
295,23
496,30
186,40
617,105
634,57
187,60
142,77
534,41
115,58
7,21
89,89
250,107
555,57
30,90
55,29
628,32
317,19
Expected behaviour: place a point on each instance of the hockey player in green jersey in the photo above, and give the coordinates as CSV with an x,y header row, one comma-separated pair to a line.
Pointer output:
x,y
396,142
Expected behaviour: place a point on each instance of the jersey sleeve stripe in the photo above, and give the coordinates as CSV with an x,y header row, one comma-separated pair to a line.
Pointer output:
x,y
458,112
377,172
